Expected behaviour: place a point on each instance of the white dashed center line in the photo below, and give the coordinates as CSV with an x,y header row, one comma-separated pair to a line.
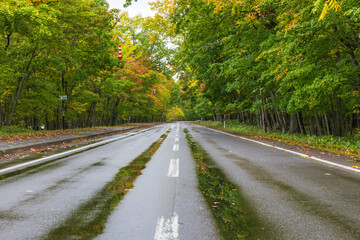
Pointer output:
x,y
167,229
173,168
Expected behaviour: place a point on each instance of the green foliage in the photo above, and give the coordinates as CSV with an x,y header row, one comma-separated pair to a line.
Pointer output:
x,y
175,114
13,130
269,61
54,48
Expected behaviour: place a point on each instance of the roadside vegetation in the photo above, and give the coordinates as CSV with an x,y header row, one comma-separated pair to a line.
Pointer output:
x,y
90,218
345,145
14,130
221,195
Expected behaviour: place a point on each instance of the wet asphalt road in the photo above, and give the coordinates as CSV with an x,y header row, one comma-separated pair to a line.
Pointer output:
x,y
292,197
163,204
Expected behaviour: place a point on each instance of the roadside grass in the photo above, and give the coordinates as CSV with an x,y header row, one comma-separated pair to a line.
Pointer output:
x,y
14,130
221,195
89,220
349,145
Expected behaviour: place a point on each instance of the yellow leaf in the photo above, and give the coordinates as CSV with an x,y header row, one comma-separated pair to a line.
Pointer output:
x,y
324,12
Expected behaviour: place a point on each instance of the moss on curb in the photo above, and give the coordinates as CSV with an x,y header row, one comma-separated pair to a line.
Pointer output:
x,y
221,195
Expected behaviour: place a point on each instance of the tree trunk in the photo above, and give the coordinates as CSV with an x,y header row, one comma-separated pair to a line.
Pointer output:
x,y
20,86
293,124
284,117
1,115
93,114
327,124
318,126
114,113
275,124
301,123
263,123
265,115
312,129
339,119
280,120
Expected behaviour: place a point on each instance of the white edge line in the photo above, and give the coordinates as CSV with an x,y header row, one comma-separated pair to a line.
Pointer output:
x,y
49,158
289,151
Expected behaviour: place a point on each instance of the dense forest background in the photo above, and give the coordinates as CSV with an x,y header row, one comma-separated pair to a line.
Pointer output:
x,y
282,65
291,66
53,48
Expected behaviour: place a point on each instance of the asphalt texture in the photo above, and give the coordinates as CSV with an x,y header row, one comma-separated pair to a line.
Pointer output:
x,y
293,197
165,202
162,204
38,200
289,196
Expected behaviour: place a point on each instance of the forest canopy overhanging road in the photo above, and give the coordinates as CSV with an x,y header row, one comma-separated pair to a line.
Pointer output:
x,y
270,67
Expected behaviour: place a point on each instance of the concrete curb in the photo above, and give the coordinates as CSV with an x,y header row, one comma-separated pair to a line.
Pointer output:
x,y
19,167
65,140
297,153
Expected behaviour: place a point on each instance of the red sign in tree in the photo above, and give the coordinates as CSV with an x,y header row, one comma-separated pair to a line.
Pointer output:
x,y
120,57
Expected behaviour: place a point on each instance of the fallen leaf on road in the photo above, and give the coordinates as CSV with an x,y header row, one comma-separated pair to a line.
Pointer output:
x,y
323,187
356,167
213,203
328,174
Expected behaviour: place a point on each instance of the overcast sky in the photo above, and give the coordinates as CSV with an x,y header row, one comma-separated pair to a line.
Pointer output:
x,y
139,7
